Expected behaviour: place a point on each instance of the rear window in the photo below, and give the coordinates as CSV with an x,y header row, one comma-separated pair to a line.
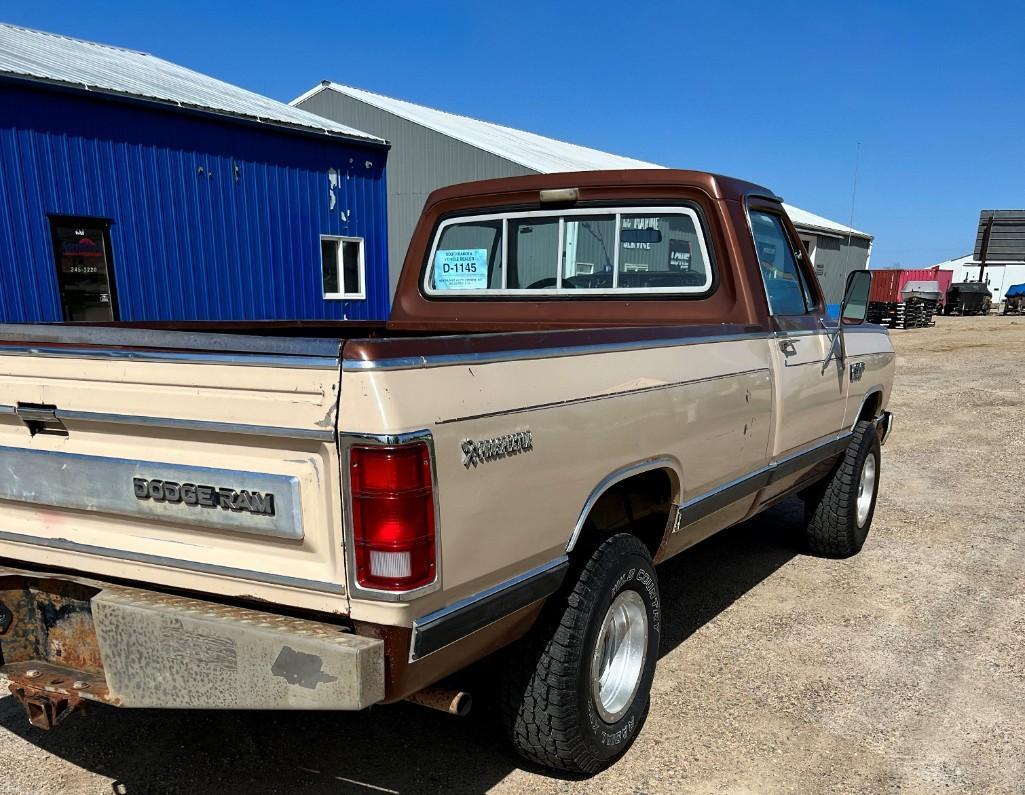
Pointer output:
x,y
571,253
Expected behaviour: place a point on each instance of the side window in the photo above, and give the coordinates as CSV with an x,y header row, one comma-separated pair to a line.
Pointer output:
x,y
342,267
784,283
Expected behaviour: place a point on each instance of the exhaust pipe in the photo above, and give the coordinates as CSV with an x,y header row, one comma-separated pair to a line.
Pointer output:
x,y
443,699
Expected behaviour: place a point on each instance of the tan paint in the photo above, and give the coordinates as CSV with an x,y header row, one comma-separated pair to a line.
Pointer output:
x,y
589,415
706,408
268,396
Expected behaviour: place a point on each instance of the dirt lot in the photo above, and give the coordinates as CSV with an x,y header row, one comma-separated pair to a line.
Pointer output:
x,y
903,668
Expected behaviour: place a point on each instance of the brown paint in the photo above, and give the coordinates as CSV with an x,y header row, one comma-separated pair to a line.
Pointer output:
x,y
375,349
403,678
736,298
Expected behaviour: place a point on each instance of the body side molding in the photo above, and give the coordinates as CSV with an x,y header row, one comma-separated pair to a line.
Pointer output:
x,y
447,625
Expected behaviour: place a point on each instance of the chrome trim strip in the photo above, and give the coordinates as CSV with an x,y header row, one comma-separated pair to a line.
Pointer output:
x,y
64,545
687,209
804,332
325,435
610,480
122,354
345,441
721,496
865,328
106,485
525,354
603,396
436,630
809,455
212,342
701,506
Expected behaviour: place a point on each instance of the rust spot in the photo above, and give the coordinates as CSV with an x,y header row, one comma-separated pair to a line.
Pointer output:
x,y
51,621
72,642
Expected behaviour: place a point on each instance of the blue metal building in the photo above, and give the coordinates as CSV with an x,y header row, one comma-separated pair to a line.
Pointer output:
x,y
134,189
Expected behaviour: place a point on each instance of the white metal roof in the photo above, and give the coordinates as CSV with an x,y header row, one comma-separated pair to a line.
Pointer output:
x,y
807,220
536,152
52,58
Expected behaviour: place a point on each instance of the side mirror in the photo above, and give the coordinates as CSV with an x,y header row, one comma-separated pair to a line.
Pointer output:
x,y
853,312
854,309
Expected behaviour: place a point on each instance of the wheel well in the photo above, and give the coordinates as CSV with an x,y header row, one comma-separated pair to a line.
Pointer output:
x,y
870,408
638,505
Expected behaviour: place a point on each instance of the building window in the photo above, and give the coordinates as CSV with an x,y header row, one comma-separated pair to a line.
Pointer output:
x,y
343,267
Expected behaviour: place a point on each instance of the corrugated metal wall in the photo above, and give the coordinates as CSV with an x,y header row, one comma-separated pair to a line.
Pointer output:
x,y
211,219
422,160
834,259
419,162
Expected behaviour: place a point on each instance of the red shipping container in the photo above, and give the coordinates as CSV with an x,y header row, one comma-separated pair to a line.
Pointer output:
x,y
887,284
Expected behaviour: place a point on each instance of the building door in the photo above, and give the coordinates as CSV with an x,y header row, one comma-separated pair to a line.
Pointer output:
x,y
85,276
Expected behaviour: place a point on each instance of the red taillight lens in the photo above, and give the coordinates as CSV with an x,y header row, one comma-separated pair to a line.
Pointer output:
x,y
392,516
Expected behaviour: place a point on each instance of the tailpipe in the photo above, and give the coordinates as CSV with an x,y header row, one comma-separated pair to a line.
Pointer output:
x,y
444,699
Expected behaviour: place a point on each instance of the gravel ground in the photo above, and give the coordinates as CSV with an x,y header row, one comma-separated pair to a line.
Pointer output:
x,y
900,669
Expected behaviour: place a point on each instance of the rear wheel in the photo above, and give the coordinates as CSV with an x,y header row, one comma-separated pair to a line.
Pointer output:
x,y
839,513
576,691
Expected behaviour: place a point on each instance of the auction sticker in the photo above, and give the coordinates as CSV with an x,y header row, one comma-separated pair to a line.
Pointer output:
x,y
461,269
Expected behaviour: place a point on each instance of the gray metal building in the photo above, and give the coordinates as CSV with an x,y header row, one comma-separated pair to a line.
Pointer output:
x,y
432,148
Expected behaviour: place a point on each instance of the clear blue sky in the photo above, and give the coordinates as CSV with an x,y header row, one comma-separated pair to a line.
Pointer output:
x,y
776,92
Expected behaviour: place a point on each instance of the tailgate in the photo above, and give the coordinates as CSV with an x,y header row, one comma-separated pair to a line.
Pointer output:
x,y
204,462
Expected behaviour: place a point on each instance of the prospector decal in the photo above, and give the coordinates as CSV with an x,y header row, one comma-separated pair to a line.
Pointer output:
x,y
200,496
484,450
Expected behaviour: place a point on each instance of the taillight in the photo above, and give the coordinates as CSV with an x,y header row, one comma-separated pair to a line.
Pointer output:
x,y
392,516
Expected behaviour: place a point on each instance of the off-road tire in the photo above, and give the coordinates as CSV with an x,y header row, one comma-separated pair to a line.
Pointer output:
x,y
547,701
831,511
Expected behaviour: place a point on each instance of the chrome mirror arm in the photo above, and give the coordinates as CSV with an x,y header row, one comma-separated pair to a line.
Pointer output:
x,y
832,348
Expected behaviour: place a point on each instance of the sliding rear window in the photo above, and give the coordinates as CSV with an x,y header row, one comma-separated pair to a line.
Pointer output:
x,y
615,251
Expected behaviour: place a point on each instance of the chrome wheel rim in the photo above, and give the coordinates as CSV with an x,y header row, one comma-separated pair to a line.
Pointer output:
x,y
618,661
866,488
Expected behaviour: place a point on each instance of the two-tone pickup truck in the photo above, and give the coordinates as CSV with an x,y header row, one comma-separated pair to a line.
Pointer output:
x,y
583,375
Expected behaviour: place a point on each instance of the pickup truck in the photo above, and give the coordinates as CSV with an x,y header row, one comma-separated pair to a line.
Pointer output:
x,y
583,375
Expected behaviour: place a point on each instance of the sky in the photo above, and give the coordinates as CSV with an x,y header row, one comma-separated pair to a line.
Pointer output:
x,y
922,102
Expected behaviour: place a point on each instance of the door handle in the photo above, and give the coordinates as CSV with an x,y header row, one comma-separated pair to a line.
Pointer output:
x,y
788,347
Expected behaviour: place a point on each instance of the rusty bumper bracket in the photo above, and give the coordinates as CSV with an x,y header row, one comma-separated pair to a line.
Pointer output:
x,y
50,693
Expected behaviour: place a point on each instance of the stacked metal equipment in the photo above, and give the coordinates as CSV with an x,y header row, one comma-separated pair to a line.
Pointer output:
x,y
906,298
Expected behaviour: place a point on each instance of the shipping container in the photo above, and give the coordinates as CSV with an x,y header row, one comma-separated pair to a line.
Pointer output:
x,y
888,285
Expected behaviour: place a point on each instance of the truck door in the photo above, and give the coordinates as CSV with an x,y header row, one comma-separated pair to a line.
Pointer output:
x,y
809,406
